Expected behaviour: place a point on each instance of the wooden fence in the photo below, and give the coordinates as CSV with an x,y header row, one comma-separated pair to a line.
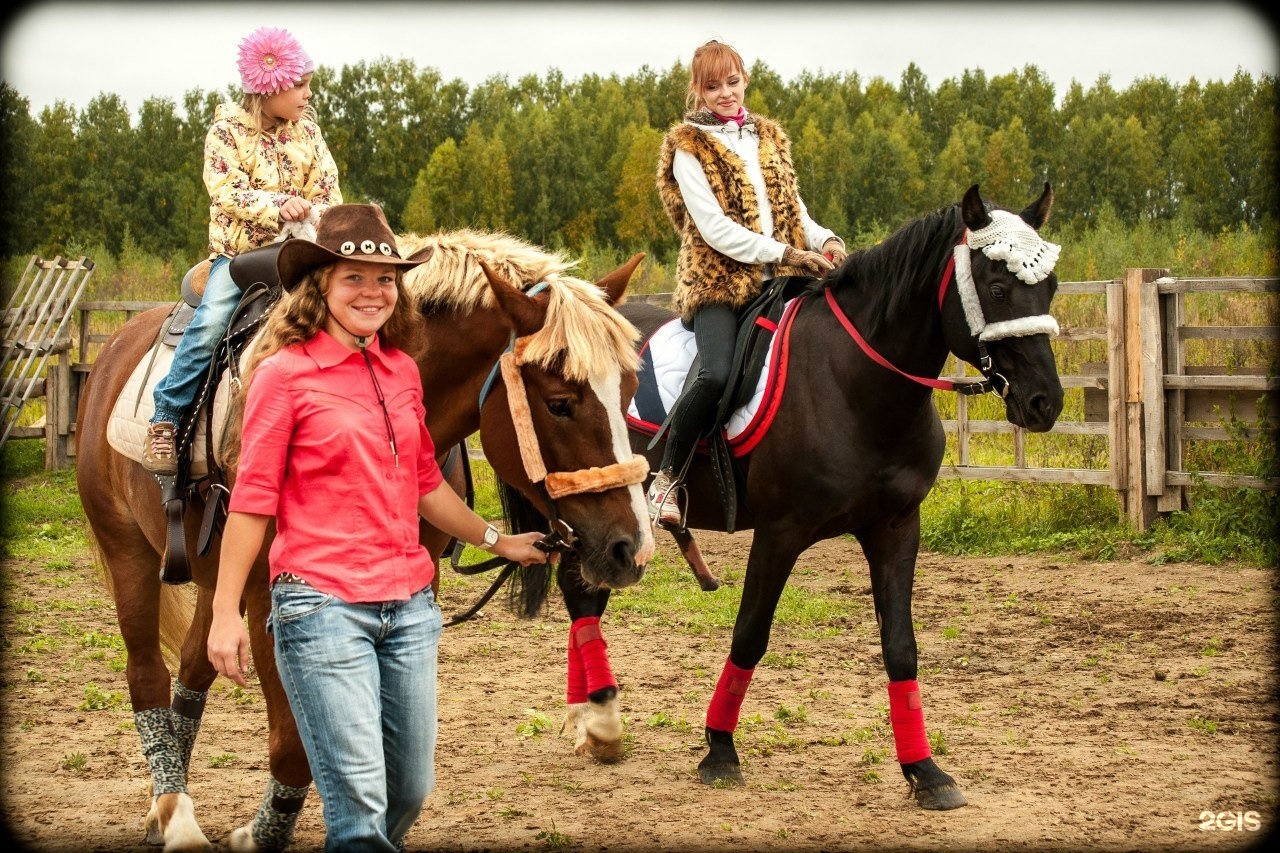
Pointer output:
x,y
1145,402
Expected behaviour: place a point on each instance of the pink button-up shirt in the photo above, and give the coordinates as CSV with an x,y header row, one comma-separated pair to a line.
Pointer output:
x,y
316,456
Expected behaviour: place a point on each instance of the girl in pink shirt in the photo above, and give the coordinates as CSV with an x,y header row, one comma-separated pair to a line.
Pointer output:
x,y
336,452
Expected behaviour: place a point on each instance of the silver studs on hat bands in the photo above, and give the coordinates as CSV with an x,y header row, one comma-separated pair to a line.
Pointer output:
x,y
385,249
347,248
367,247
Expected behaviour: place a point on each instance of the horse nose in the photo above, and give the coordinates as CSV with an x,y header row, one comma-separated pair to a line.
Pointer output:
x,y
1044,408
622,556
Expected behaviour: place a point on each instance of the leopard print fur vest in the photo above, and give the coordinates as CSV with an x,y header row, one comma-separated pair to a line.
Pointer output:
x,y
703,275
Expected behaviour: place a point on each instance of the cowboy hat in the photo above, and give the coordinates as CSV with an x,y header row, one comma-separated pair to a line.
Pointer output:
x,y
346,232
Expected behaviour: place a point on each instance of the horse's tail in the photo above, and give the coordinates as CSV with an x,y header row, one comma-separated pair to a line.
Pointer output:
x,y
177,608
529,585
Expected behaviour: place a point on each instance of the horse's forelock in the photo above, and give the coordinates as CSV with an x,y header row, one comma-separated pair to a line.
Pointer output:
x,y
583,332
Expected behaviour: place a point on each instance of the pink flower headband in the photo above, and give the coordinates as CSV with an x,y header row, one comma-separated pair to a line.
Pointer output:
x,y
271,60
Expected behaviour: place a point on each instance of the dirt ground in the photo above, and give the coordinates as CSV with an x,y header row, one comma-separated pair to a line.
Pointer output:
x,y
1081,706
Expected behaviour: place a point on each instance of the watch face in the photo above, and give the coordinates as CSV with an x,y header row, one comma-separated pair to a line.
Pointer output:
x,y
490,536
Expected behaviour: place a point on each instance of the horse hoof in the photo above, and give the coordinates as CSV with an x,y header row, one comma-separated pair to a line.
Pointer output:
x,y
604,751
709,583
941,798
241,840
720,774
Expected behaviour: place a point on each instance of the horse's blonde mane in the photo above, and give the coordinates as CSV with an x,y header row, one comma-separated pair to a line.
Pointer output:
x,y
582,330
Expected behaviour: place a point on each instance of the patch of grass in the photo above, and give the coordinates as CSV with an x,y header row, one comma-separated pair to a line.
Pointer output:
x,y
96,699
222,759
74,762
1203,724
552,838
536,725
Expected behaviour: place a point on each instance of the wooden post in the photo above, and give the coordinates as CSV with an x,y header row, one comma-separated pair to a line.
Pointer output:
x,y
1140,507
1117,443
1175,364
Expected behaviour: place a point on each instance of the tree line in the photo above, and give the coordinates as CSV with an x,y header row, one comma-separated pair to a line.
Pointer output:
x,y
570,163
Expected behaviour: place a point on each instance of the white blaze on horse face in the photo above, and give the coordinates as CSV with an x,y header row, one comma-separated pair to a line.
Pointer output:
x,y
608,388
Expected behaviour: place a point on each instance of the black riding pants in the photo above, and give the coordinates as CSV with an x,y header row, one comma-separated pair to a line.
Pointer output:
x,y
715,330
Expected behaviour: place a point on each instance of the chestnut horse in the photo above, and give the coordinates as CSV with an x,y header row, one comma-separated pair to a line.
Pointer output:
x,y
855,442
536,360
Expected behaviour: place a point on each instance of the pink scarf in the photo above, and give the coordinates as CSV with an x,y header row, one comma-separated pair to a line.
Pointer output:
x,y
738,119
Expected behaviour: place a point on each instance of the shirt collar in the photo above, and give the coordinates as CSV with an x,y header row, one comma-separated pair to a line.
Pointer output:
x,y
326,351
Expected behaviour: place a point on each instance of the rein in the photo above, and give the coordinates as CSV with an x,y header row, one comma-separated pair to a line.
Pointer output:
x,y
994,381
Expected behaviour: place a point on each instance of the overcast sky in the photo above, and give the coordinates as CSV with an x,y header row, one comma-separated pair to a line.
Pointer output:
x,y
76,51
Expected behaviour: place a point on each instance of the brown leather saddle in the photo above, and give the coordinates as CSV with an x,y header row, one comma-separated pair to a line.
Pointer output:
x,y
255,274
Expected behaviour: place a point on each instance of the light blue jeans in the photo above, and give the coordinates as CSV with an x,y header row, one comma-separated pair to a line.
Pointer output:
x,y
176,392
361,680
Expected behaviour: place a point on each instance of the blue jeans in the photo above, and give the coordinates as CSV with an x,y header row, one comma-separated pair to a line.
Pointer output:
x,y
361,680
177,390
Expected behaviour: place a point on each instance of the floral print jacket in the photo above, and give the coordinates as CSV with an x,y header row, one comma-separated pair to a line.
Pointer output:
x,y
249,175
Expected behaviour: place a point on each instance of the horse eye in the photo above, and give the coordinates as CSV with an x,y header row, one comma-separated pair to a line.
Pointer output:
x,y
560,407
998,292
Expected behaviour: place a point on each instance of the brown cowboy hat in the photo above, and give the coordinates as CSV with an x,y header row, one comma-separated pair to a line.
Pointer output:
x,y
346,232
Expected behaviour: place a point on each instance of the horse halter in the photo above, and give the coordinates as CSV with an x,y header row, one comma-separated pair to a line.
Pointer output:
x,y
561,484
1028,256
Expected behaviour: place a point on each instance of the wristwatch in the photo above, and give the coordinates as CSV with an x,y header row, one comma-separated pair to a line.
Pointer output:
x,y
490,538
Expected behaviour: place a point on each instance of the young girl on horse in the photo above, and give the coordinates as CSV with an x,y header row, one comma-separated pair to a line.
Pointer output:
x,y
336,451
727,183
265,164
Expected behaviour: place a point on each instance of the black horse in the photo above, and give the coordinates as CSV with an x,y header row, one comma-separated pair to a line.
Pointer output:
x,y
855,443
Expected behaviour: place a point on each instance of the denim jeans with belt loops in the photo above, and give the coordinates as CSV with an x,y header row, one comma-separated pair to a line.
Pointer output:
x,y
176,392
361,680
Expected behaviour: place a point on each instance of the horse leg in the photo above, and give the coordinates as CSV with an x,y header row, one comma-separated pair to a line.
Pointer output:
x,y
591,695
891,553
272,826
190,691
772,557
693,556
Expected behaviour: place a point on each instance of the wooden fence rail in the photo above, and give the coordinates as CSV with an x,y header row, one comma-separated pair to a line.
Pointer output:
x,y
1146,400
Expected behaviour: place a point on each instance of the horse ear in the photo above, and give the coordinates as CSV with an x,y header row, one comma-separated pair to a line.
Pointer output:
x,y
525,315
615,283
974,210
1037,213
422,255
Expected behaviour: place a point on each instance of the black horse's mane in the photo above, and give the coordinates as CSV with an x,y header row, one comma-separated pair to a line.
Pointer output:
x,y
890,274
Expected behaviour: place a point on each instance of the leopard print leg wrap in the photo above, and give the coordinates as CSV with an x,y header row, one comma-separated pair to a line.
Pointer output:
x,y
185,714
160,746
273,824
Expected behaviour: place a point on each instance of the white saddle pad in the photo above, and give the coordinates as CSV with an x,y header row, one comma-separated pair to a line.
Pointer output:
x,y
127,427
672,349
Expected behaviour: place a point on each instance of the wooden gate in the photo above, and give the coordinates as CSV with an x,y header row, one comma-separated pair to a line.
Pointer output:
x,y
36,328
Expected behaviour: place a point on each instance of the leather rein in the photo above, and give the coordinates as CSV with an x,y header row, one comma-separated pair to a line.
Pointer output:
x,y
994,381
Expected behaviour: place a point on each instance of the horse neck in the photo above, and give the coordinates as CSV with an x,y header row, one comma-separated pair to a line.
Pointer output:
x,y
890,293
461,351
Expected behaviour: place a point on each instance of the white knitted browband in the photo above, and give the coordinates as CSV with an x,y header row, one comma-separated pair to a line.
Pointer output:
x,y
1029,257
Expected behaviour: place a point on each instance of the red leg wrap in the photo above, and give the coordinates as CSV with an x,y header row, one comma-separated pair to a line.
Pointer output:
x,y
906,715
726,702
586,637
576,684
